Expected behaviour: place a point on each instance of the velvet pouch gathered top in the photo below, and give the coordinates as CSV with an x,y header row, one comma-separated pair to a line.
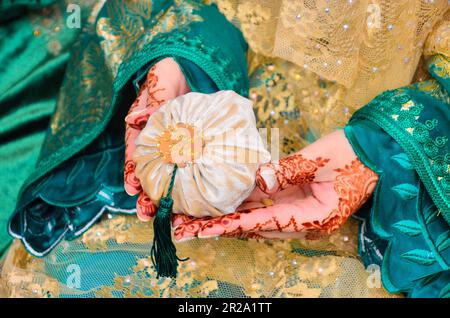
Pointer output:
x,y
213,140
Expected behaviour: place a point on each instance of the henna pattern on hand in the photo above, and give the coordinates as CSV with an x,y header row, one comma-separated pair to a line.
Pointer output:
x,y
243,235
139,121
292,170
138,98
130,177
353,185
132,183
152,102
191,227
146,209
152,81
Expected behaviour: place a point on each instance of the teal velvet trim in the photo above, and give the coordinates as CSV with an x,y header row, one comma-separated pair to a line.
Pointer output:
x,y
403,136
420,124
221,57
196,78
218,68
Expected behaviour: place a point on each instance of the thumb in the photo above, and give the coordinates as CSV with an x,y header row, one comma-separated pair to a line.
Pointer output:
x,y
266,179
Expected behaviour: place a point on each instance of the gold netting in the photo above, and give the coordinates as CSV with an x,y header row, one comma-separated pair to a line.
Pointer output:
x,y
216,267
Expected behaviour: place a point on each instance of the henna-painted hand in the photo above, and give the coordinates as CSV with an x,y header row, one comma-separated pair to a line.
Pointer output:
x,y
165,81
307,194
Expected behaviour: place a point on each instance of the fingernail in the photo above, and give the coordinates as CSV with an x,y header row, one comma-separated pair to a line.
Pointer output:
x,y
207,236
268,179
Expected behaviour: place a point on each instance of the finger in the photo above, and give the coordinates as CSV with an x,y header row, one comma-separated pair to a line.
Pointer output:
x,y
292,170
262,235
188,230
137,117
146,209
240,222
294,211
178,219
131,182
247,235
141,99
290,215
188,227
147,101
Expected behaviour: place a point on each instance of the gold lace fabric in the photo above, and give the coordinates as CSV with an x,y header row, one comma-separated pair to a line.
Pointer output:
x,y
367,46
220,267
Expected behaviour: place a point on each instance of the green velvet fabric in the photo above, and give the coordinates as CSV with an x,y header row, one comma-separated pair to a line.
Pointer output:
x,y
79,173
11,9
33,57
403,136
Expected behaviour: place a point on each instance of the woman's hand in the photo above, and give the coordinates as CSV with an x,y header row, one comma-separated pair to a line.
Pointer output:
x,y
307,194
164,82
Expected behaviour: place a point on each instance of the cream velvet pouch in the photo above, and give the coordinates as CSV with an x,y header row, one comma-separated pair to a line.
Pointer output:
x,y
213,140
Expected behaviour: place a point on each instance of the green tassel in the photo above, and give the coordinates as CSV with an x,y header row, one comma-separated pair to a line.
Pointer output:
x,y
164,252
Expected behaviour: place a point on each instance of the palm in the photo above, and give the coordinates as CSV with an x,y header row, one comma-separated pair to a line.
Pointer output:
x,y
311,197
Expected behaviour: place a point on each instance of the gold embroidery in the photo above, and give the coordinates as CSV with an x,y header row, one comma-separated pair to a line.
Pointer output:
x,y
180,144
130,25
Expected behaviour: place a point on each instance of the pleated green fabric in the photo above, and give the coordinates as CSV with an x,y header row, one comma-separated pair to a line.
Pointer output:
x,y
34,50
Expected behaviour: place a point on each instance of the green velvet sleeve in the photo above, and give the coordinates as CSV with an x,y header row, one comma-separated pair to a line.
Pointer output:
x,y
79,173
403,136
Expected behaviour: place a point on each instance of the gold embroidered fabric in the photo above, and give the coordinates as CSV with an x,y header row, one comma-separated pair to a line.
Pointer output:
x,y
310,69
